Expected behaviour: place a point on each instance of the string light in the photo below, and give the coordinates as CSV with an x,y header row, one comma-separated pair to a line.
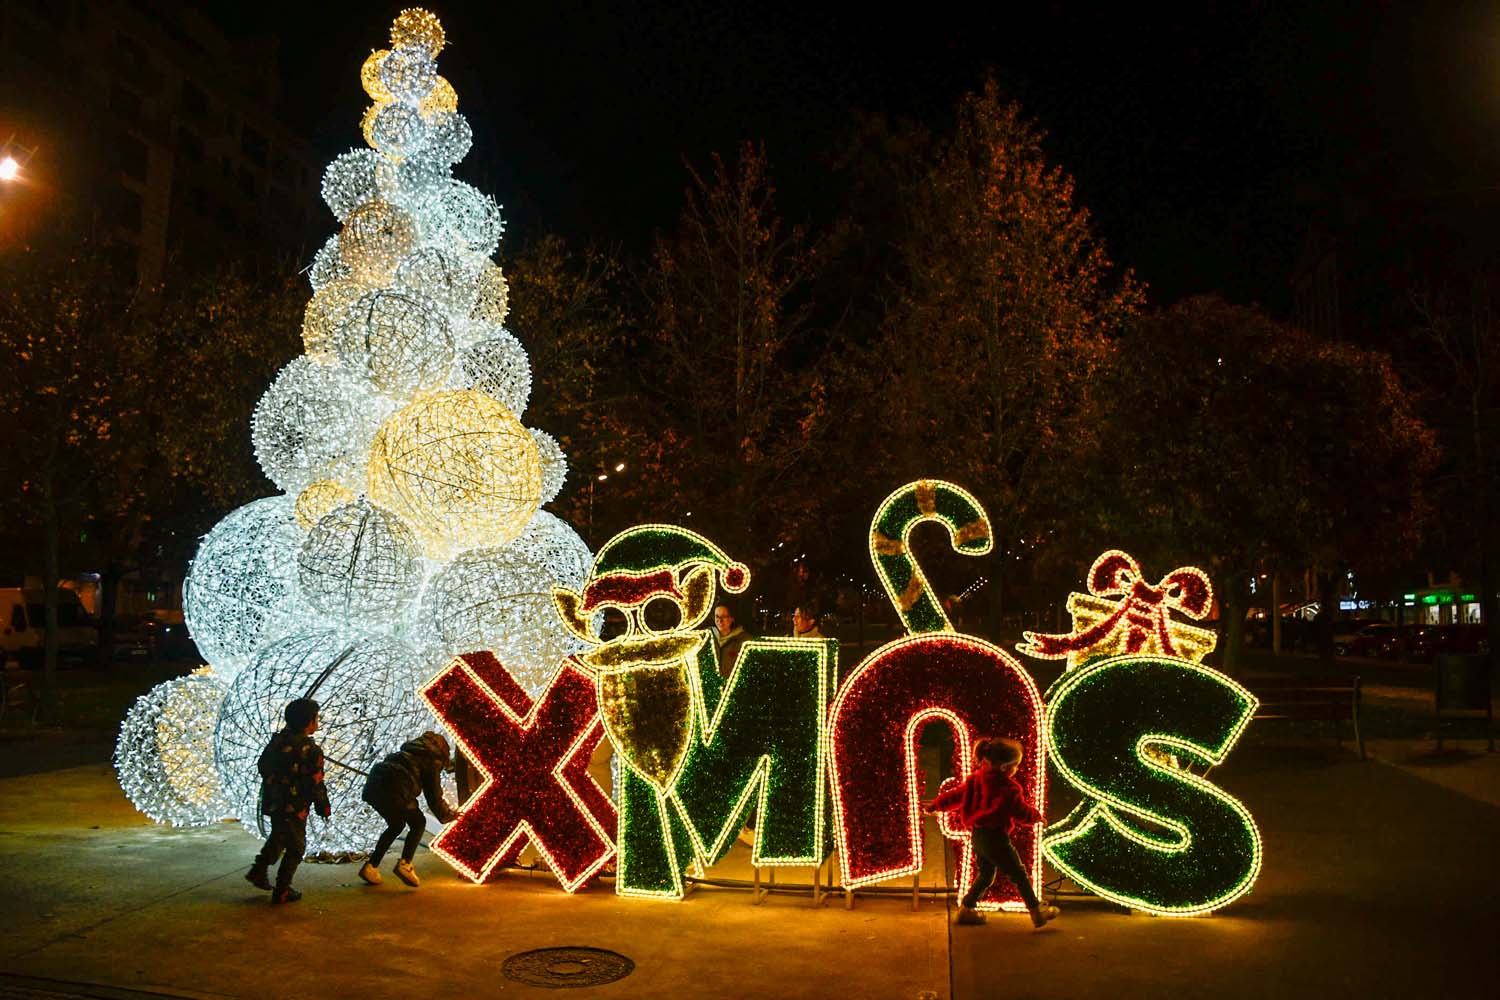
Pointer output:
x,y
327,265
458,467
318,499
241,590
553,462
164,757
415,28
374,239
360,564
978,690
396,338
534,757
366,688
926,500
1137,621
492,304
499,368
326,311
1150,835
314,422
349,181
499,600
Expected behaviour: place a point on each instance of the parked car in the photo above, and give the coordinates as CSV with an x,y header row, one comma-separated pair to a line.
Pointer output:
x,y
135,637
1372,639
24,634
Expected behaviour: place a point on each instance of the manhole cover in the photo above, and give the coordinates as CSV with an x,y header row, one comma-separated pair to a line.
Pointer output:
x,y
567,968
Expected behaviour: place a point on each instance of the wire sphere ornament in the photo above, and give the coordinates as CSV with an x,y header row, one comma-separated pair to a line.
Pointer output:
x,y
374,239
324,314
366,688
492,303
164,757
444,277
415,28
409,74
449,137
442,97
349,181
360,564
314,422
327,264
500,600
554,464
369,77
551,542
460,217
499,368
241,590
397,130
412,180
398,339
317,499
458,467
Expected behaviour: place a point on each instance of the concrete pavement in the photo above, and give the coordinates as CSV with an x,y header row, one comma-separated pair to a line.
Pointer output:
x,y
1377,882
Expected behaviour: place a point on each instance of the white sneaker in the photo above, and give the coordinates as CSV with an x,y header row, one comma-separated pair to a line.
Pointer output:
x,y
404,873
370,873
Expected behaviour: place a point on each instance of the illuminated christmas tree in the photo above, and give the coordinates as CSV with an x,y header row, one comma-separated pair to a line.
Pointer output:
x,y
408,526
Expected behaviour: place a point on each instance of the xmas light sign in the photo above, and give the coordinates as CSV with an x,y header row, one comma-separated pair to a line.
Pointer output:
x,y
819,766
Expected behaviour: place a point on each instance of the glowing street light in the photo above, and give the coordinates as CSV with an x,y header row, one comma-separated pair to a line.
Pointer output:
x,y
9,169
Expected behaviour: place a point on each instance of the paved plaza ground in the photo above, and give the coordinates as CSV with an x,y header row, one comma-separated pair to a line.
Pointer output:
x,y
1380,879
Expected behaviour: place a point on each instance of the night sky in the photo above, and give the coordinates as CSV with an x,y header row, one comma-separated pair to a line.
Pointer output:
x,y
1204,140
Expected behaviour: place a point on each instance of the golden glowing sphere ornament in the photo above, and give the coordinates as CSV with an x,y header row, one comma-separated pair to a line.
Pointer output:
x,y
318,499
459,468
415,28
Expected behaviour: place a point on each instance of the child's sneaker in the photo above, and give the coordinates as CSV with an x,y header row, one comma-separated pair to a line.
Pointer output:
x,y
1043,913
404,873
287,895
968,916
258,877
370,873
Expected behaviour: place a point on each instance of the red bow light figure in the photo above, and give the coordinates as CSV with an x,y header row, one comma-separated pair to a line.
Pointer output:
x,y
1137,621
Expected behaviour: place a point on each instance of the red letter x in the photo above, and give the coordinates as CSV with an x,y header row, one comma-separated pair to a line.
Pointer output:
x,y
535,759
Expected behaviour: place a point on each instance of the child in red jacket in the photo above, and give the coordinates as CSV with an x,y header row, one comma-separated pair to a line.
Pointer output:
x,y
988,803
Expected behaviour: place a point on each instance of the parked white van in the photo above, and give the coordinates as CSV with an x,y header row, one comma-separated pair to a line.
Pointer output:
x,y
23,626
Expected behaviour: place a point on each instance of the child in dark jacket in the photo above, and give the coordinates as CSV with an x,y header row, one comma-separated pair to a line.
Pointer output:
x,y
988,803
291,773
391,790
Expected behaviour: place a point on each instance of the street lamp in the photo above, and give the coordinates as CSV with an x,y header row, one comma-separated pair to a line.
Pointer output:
x,y
9,169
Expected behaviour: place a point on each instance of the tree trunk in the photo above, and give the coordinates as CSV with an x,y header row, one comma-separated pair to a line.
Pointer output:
x,y
1328,602
1235,591
1275,612
109,595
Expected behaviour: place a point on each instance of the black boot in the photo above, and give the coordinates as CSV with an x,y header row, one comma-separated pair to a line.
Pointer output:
x,y
287,895
259,877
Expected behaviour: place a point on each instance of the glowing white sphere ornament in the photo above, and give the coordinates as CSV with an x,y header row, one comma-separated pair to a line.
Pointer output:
x,y
241,590
398,339
366,687
500,599
446,278
492,303
360,564
458,467
314,422
459,216
408,73
554,464
327,264
164,757
397,130
349,181
448,137
499,368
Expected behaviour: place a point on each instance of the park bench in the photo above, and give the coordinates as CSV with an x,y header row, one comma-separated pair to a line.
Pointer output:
x,y
1330,697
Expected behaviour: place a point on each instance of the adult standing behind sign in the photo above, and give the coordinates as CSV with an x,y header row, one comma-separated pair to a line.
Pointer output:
x,y
728,637
805,624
